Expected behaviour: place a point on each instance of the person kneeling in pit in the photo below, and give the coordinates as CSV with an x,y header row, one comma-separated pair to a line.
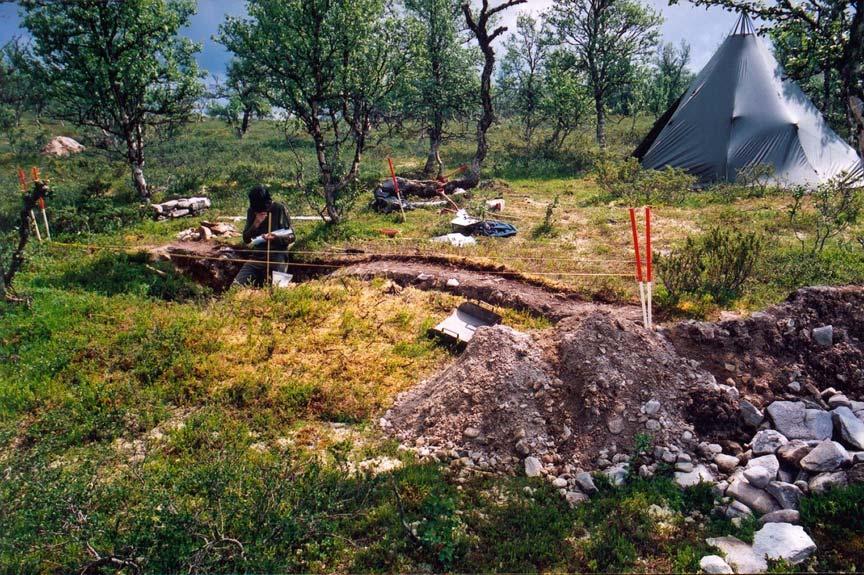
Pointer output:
x,y
268,233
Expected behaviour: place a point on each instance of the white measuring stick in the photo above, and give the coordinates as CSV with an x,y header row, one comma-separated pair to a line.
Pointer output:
x,y
36,225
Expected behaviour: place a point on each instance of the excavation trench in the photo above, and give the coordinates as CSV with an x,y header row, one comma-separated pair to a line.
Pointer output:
x,y
215,266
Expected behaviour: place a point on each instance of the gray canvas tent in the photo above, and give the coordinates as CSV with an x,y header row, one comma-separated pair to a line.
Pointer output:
x,y
740,112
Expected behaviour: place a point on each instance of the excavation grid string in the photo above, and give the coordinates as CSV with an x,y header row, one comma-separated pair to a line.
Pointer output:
x,y
340,265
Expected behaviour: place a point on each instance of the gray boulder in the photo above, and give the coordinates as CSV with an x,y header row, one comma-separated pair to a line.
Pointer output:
x,y
726,463
750,414
849,428
782,516
767,441
827,456
756,499
617,473
825,481
700,474
585,482
758,476
787,495
783,541
769,462
795,421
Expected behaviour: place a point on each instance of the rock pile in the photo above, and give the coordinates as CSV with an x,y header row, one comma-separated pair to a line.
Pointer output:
x,y
180,208
207,231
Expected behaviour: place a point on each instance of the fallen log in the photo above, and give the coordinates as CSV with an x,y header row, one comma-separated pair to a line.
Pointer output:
x,y
427,188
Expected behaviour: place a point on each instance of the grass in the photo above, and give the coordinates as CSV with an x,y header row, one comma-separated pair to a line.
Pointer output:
x,y
145,419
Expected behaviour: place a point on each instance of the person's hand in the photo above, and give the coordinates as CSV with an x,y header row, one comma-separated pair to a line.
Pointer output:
x,y
269,237
260,217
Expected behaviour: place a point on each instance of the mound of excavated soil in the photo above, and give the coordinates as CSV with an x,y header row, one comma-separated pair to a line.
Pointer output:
x,y
576,393
561,395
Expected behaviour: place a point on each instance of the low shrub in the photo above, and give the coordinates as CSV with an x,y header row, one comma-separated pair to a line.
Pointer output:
x,y
716,264
626,180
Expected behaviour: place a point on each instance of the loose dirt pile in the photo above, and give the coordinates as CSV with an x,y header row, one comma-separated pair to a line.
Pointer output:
x,y
575,395
563,395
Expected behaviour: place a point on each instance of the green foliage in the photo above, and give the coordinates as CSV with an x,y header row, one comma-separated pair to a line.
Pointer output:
x,y
716,264
547,227
241,99
836,206
669,77
834,519
608,39
94,211
119,68
626,180
331,65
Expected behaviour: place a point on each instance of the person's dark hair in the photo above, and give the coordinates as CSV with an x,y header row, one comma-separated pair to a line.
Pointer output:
x,y
259,198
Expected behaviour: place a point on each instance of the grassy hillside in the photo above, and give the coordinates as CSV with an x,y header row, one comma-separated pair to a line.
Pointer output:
x,y
145,421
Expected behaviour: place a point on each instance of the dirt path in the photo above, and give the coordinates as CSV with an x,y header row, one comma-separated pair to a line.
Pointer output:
x,y
495,288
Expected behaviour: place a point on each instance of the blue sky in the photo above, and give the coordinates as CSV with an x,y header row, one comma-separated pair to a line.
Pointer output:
x,y
703,28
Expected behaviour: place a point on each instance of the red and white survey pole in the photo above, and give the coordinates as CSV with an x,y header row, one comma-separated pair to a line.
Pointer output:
x,y
649,260
641,283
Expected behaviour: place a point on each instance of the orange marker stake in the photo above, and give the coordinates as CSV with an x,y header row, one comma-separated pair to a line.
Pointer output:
x,y
638,266
396,186
649,259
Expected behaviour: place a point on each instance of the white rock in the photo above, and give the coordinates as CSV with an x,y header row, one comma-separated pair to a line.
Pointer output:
x,y
758,477
559,482
739,555
714,564
726,463
757,499
533,467
651,407
701,474
585,482
783,541
617,473
769,462
452,282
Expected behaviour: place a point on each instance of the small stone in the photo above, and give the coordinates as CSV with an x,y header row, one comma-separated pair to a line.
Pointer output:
x,y
726,463
651,407
794,387
653,425
782,516
783,541
471,433
714,564
585,482
452,282
827,456
574,498
617,473
559,482
684,466
533,467
522,448
767,441
738,509
758,477
824,335
615,424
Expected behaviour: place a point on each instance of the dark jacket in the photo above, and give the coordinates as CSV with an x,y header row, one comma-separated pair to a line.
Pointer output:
x,y
279,220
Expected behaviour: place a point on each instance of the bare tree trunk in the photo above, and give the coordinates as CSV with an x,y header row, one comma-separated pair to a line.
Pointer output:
x,y
434,166
601,121
244,124
6,276
135,156
852,73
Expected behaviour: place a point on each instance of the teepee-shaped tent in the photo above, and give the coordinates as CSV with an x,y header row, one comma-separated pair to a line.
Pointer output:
x,y
739,112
